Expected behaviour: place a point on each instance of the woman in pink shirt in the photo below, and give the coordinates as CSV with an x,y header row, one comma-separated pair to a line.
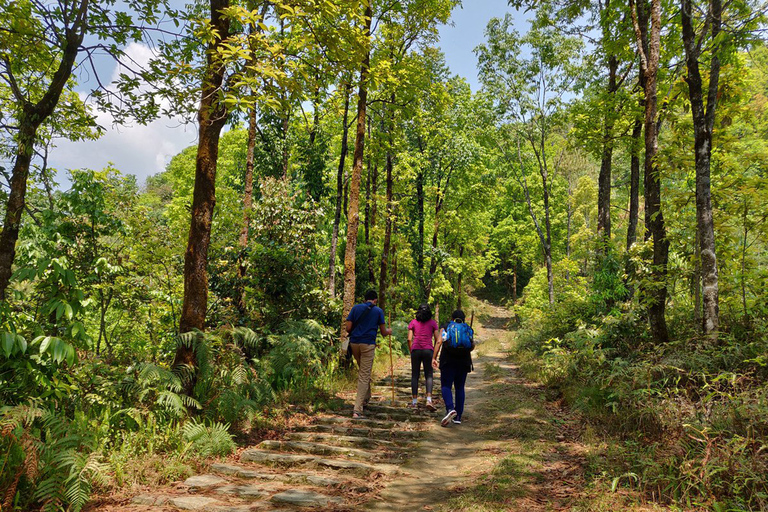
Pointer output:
x,y
423,332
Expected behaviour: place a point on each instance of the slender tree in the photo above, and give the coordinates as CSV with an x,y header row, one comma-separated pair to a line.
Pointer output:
x,y
212,116
703,126
353,209
649,50
339,192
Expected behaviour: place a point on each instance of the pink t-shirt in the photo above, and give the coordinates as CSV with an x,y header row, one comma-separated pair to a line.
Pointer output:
x,y
423,334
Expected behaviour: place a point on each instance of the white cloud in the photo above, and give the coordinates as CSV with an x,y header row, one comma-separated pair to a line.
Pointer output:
x,y
132,149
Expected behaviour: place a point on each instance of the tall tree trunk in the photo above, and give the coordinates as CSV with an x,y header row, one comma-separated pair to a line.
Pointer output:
x,y
420,249
374,178
654,217
339,194
353,212
548,225
247,206
286,153
367,221
743,280
32,116
458,280
212,115
703,126
514,282
634,183
604,179
544,235
389,213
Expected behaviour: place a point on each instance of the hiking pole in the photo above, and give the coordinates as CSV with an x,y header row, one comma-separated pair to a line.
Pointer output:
x,y
391,364
472,318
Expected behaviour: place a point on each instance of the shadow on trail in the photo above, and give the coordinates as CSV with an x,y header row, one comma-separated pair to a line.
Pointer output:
x,y
509,453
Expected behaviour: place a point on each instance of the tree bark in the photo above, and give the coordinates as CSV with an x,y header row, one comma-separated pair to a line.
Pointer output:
x,y
634,183
514,282
654,218
372,223
544,235
703,126
604,178
389,214
367,224
32,116
458,281
212,115
247,206
339,195
353,212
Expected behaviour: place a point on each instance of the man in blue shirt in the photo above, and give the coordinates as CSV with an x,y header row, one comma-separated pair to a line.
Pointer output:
x,y
363,324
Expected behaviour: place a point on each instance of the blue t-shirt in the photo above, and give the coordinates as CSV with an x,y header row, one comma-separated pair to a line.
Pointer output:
x,y
365,331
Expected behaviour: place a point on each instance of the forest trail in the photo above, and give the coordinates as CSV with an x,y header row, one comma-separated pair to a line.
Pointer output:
x,y
513,450
510,453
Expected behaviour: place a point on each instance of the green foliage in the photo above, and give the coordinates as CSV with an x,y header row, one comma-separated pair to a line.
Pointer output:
x,y
209,440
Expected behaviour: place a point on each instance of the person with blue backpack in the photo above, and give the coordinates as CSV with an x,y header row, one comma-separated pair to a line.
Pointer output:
x,y
454,352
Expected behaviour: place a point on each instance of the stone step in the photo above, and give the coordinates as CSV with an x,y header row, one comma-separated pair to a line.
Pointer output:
x,y
271,457
376,433
306,498
250,491
341,440
198,503
405,415
243,472
291,476
347,420
316,449
404,381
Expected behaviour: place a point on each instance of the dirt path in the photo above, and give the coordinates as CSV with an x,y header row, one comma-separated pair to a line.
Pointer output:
x,y
513,450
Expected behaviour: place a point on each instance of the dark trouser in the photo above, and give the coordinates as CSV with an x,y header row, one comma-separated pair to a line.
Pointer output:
x,y
452,377
418,358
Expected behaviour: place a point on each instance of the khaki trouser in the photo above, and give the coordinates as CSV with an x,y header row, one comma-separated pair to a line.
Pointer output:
x,y
363,354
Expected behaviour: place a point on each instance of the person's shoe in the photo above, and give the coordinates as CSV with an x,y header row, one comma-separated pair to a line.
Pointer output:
x,y
456,421
358,416
413,405
430,406
448,417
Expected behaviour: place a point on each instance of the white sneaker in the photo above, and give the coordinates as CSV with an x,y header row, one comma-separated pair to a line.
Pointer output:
x,y
448,417
456,422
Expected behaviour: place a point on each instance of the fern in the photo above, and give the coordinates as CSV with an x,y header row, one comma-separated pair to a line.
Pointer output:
x,y
208,441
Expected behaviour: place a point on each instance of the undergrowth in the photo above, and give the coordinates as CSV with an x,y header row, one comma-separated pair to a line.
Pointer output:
x,y
685,422
126,424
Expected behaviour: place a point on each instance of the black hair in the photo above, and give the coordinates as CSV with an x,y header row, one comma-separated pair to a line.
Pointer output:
x,y
371,295
424,313
458,315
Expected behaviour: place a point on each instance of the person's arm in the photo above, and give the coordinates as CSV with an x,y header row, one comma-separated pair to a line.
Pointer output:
x,y
410,339
348,326
382,326
436,354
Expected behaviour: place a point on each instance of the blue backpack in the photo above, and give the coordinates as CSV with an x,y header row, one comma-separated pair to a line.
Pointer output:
x,y
459,335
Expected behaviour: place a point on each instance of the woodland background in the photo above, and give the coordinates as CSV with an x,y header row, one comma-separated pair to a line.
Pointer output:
x,y
608,182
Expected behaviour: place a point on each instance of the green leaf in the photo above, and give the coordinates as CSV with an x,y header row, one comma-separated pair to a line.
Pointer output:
x,y
22,342
58,350
6,340
70,354
45,344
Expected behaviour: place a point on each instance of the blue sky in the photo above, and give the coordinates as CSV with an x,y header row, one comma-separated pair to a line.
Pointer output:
x,y
145,150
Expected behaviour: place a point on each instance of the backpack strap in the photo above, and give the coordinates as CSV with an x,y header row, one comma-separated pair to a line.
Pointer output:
x,y
362,317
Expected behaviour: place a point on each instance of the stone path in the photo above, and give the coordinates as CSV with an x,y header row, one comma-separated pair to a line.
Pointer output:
x,y
334,464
